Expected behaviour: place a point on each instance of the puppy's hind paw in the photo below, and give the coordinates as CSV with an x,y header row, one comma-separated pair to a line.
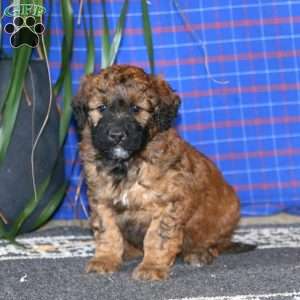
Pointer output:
x,y
102,265
143,272
201,258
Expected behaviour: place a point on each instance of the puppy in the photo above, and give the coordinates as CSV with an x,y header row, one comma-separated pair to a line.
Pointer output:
x,y
150,192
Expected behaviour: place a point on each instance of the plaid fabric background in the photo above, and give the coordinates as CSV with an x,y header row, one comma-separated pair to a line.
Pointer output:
x,y
250,126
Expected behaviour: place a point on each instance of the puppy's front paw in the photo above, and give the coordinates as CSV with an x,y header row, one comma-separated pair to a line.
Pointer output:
x,y
102,265
144,272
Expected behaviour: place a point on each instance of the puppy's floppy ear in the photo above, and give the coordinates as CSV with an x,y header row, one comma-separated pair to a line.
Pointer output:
x,y
79,103
168,105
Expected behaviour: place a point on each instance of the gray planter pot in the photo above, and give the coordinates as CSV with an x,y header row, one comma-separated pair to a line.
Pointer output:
x,y
16,186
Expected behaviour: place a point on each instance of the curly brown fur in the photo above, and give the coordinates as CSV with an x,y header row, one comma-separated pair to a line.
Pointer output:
x,y
149,191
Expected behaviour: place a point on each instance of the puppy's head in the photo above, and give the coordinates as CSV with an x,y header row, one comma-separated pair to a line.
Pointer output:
x,y
124,108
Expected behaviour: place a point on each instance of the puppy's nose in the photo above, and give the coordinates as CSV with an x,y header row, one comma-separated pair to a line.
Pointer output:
x,y
116,135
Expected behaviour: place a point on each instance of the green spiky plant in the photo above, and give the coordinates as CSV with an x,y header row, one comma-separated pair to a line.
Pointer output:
x,y
20,60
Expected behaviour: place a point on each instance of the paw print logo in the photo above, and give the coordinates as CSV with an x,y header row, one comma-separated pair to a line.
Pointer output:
x,y
24,31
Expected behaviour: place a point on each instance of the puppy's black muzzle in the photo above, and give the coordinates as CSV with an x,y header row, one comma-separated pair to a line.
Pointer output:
x,y
118,138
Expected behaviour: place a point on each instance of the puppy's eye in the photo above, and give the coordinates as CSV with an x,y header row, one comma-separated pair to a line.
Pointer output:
x,y
135,109
102,108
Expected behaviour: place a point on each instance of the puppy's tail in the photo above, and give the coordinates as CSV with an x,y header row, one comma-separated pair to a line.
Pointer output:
x,y
237,247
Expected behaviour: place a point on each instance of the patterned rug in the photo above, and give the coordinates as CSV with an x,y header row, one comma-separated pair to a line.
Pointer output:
x,y
69,245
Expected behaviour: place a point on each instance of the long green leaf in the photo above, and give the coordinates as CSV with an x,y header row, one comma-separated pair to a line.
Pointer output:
x,y
118,34
30,206
148,34
33,202
65,78
89,38
11,102
67,45
48,26
67,109
51,207
2,230
105,38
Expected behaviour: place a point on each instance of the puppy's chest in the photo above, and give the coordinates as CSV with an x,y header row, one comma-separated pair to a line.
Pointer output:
x,y
136,197
121,201
138,193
